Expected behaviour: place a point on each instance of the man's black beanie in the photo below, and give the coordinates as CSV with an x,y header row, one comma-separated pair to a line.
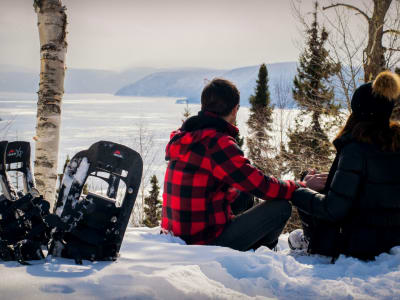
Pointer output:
x,y
374,101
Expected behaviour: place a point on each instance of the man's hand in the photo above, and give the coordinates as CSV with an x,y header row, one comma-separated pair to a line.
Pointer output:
x,y
316,182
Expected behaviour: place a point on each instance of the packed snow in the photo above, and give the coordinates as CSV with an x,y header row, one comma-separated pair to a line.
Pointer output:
x,y
154,266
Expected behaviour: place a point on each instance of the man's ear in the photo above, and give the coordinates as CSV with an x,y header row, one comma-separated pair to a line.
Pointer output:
x,y
234,112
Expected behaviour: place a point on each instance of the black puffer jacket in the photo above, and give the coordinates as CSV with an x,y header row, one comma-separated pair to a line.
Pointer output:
x,y
362,199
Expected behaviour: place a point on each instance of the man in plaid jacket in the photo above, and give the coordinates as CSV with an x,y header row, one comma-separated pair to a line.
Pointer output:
x,y
207,171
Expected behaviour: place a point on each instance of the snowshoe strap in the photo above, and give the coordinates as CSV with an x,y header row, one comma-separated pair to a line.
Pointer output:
x,y
24,228
6,252
8,190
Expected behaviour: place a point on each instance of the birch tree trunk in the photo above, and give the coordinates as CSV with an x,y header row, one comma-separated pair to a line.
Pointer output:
x,y
52,22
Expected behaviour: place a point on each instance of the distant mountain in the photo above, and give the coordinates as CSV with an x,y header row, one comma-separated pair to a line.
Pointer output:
x,y
19,79
186,83
149,82
189,83
101,81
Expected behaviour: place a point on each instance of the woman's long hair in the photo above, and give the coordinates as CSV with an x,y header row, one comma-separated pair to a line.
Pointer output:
x,y
387,138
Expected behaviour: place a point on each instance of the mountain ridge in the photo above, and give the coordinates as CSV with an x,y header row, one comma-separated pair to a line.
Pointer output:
x,y
183,82
189,85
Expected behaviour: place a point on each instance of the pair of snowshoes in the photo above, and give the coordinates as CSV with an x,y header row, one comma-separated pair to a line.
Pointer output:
x,y
88,226
92,226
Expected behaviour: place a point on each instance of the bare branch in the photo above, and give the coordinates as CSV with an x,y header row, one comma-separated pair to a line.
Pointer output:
x,y
349,7
392,31
393,49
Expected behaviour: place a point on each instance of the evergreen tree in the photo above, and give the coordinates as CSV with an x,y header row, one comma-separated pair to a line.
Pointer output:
x,y
239,139
309,145
186,112
259,122
152,209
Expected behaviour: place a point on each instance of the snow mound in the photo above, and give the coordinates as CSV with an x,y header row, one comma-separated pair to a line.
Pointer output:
x,y
154,266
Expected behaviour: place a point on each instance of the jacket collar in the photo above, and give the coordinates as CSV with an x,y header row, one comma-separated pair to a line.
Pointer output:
x,y
205,120
342,141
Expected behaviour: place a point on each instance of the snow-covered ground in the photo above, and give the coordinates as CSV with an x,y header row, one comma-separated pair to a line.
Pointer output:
x,y
154,266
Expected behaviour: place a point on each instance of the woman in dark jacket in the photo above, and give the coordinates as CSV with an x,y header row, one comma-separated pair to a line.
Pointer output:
x,y
358,214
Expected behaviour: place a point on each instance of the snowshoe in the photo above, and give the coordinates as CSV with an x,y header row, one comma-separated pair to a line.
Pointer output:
x,y
23,226
93,225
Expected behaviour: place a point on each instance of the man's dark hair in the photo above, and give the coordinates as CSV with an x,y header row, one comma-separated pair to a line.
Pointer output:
x,y
219,96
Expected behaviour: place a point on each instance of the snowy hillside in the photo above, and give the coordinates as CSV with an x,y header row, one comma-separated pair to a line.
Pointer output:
x,y
101,81
177,83
189,83
154,266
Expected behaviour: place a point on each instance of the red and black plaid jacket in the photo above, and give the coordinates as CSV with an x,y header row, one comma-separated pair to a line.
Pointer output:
x,y
205,170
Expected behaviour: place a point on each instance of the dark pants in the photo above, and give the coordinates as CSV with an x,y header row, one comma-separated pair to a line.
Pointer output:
x,y
258,226
323,236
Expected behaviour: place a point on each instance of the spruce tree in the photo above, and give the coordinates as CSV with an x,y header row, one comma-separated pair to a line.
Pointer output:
x,y
239,139
186,112
153,205
259,122
309,145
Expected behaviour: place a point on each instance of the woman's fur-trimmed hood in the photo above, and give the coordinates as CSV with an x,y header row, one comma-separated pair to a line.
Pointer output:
x,y
387,84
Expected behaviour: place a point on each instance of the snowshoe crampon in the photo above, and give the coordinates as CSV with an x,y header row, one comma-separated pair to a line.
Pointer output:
x,y
93,225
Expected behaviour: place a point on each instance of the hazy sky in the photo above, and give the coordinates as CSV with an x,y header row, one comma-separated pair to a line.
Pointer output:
x,y
116,34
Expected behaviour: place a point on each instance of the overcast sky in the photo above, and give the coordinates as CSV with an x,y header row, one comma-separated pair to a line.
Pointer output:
x,y
117,34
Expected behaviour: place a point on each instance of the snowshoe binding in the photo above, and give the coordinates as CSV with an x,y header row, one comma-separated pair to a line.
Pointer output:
x,y
8,192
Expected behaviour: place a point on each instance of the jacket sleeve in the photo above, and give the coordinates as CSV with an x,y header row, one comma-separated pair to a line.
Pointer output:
x,y
336,204
229,165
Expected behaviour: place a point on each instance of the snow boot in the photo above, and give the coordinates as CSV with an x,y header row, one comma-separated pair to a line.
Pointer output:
x,y
297,240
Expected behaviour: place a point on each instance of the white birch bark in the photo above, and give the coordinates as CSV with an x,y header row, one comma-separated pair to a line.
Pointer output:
x,y
52,22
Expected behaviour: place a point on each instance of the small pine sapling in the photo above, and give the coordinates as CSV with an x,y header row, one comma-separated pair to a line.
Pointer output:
x,y
153,205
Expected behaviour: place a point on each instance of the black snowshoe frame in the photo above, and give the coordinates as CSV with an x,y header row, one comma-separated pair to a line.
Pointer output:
x,y
25,222
93,226
15,157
